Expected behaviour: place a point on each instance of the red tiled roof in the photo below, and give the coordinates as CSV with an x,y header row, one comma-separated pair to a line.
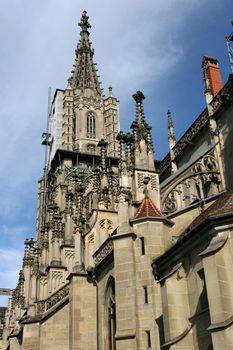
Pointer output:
x,y
222,205
147,209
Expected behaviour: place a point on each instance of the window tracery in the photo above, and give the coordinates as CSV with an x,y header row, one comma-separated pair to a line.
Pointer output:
x,y
199,182
91,126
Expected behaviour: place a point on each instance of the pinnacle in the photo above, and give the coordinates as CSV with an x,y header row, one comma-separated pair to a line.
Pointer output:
x,y
139,97
84,23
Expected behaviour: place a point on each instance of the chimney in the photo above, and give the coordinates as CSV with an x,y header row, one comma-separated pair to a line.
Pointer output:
x,y
212,77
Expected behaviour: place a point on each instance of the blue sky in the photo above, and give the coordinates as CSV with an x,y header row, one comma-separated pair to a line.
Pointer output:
x,y
152,46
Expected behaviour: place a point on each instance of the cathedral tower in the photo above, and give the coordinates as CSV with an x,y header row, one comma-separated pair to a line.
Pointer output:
x,y
87,116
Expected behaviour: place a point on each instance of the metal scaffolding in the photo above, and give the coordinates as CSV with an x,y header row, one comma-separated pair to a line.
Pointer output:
x,y
229,42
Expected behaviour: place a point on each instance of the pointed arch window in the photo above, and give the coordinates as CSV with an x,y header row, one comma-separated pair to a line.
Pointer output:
x,y
91,123
111,314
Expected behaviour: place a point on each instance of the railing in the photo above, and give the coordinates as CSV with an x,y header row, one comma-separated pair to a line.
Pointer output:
x,y
60,294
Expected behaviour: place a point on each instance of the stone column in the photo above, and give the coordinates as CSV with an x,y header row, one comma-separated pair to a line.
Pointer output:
x,y
176,307
82,313
125,285
68,228
27,272
78,254
31,336
77,251
219,284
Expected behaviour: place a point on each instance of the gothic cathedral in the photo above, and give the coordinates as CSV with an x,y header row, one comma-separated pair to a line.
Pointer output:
x,y
130,253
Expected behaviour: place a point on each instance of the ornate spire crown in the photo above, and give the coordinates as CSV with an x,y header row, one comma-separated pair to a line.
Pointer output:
x,y
84,23
84,74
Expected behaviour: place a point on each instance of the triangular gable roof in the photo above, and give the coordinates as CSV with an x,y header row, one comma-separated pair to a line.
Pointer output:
x,y
147,209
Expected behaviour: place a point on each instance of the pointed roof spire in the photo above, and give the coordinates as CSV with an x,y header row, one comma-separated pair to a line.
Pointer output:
x,y
84,74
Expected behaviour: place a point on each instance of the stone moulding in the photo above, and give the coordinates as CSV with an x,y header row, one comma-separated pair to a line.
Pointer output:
x,y
125,334
217,242
171,272
221,325
178,338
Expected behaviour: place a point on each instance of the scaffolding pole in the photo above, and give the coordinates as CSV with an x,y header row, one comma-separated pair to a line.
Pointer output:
x,y
229,42
47,142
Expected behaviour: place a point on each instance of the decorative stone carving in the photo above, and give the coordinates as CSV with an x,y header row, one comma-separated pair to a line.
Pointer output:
x,y
91,239
106,224
140,180
104,251
45,305
153,181
57,296
201,180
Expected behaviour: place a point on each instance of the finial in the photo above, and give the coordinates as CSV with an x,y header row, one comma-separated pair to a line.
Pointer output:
x,y
110,90
139,97
146,180
84,23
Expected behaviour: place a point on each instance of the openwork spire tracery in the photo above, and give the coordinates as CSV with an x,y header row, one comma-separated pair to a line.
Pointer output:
x,y
84,73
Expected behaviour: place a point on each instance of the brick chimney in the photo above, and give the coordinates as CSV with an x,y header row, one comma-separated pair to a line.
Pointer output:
x,y
212,77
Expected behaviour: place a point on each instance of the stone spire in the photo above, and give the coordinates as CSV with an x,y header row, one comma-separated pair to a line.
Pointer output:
x,y
84,75
172,141
171,133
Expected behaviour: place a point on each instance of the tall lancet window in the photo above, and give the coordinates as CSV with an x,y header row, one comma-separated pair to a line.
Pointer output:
x,y
91,126
110,315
